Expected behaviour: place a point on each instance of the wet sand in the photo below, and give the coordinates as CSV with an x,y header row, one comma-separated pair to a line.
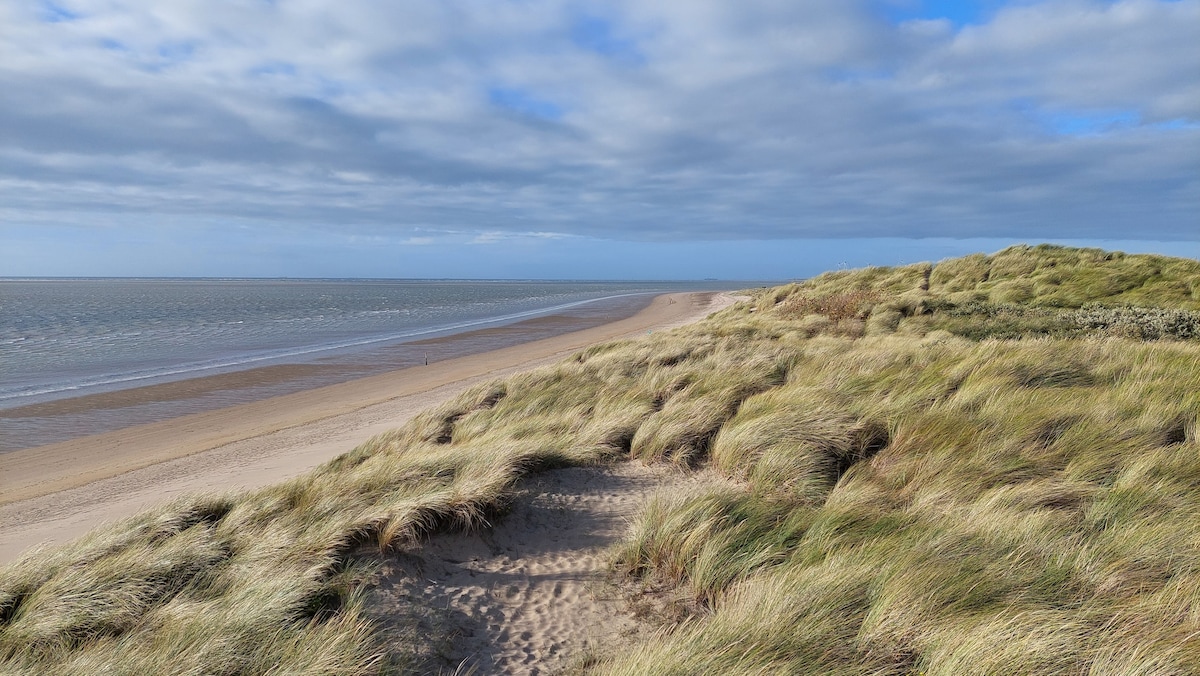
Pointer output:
x,y
53,493
51,422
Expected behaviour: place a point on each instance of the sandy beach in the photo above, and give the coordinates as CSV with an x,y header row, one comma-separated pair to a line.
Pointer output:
x,y
51,494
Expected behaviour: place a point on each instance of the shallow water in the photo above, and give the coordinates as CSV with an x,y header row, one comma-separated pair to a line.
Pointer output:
x,y
86,356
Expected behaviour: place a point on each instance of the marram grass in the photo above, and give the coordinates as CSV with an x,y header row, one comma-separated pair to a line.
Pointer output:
x,y
918,470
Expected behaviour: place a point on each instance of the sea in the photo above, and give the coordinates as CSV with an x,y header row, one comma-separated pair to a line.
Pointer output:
x,y
81,356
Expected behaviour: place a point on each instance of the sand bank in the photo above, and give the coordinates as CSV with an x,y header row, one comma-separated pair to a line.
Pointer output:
x,y
59,420
54,493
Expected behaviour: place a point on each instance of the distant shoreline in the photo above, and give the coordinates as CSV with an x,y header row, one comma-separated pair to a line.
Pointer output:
x,y
60,491
62,419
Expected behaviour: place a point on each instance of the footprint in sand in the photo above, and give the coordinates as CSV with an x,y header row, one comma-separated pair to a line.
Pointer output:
x,y
541,611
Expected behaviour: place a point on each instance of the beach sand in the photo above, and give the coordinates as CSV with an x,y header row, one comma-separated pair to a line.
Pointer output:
x,y
52,494
50,422
526,596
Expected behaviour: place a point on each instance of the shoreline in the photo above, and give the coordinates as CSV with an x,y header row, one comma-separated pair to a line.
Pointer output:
x,y
42,423
54,493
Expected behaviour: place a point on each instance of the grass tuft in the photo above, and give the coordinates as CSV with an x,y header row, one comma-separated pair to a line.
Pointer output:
x,y
987,465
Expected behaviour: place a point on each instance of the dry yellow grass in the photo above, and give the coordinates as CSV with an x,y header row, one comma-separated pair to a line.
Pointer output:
x,y
898,498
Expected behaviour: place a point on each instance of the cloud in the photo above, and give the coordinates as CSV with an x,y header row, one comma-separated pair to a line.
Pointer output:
x,y
696,119
499,236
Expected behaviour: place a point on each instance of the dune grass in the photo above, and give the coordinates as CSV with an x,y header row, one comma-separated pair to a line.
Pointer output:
x,y
1034,510
897,491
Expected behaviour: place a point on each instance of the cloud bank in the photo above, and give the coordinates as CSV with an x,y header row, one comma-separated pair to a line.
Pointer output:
x,y
485,120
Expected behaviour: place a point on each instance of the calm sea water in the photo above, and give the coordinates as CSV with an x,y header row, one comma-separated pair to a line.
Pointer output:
x,y
64,338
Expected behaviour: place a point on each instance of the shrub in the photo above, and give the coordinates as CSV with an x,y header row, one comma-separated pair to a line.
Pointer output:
x,y
1140,322
835,306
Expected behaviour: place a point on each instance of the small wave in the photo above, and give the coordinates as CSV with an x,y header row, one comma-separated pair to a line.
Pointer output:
x,y
274,355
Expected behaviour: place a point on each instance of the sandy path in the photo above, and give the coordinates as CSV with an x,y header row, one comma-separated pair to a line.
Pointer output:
x,y
526,596
55,493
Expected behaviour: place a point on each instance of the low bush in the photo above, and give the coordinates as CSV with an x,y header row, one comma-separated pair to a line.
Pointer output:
x,y
1138,322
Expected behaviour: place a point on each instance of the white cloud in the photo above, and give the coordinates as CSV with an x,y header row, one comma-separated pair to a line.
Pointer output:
x,y
499,236
684,119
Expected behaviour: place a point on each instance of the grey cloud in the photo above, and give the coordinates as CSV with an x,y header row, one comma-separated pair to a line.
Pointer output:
x,y
768,119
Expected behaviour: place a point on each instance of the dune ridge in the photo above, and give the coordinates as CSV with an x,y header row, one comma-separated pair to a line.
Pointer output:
x,y
933,469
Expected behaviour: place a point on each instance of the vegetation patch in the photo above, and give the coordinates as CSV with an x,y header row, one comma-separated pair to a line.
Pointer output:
x,y
837,306
972,479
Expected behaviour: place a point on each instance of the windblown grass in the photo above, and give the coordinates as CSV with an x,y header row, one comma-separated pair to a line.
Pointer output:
x,y
1021,292
907,485
1029,494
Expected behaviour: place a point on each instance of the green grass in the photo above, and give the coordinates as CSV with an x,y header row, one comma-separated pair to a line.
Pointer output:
x,y
1021,292
933,469
1030,493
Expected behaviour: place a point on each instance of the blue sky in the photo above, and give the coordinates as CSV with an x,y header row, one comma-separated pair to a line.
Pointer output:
x,y
578,138
958,12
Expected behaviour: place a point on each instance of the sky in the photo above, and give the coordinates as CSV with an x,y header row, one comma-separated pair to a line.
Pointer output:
x,y
678,139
